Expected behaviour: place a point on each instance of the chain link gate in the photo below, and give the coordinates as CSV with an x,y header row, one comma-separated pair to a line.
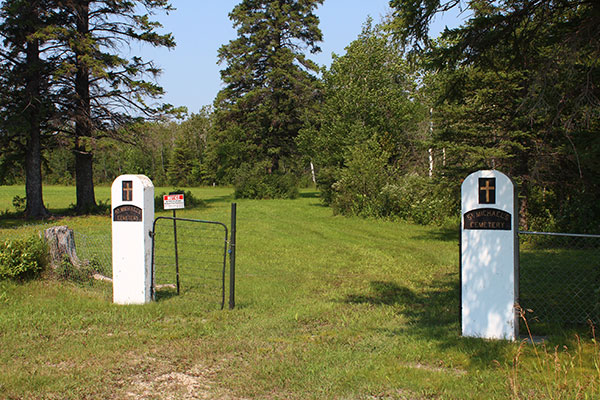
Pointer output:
x,y
559,277
189,256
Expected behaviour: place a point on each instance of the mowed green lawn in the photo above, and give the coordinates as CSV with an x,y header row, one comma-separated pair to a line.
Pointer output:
x,y
328,307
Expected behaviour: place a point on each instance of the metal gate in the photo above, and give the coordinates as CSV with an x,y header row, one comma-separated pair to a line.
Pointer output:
x,y
189,257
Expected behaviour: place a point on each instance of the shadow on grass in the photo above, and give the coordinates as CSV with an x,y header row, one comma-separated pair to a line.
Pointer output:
x,y
388,293
433,315
220,199
165,294
17,220
441,235
309,195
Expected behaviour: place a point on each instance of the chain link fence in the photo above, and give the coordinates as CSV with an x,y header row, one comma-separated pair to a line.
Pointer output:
x,y
95,249
559,278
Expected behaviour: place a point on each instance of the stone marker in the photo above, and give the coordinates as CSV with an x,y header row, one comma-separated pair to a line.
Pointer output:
x,y
132,204
489,256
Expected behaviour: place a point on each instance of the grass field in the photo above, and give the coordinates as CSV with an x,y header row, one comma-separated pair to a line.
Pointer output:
x,y
328,307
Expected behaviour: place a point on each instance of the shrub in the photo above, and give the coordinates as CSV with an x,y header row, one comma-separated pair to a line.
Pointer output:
x,y
579,212
254,182
20,259
19,203
422,200
370,187
326,178
360,183
81,273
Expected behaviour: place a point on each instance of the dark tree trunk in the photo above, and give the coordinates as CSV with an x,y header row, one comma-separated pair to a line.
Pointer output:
x,y
84,177
33,159
84,181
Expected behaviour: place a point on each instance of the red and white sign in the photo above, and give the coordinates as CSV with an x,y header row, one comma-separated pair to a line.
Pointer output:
x,y
173,202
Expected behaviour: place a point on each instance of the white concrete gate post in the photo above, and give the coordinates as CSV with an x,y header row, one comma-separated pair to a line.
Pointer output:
x,y
489,256
132,205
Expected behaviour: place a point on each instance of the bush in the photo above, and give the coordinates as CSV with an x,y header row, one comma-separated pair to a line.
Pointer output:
x,y
81,273
254,182
370,187
431,200
577,212
21,259
360,183
326,178
19,203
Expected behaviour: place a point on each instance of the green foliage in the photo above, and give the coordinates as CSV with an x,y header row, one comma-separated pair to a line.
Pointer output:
x,y
361,182
367,134
167,152
80,273
59,166
576,213
187,163
326,178
370,187
269,84
254,182
22,258
19,203
423,200
515,88
367,94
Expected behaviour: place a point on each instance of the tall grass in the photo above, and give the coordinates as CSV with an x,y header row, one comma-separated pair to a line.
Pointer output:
x,y
557,370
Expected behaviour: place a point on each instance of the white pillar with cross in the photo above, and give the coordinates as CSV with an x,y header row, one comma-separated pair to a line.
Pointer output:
x,y
132,205
489,256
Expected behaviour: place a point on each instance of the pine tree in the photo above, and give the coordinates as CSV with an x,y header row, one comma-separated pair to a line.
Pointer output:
x,y
516,87
269,82
25,100
101,90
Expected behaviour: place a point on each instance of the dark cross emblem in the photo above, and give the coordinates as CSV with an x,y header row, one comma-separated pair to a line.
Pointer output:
x,y
127,191
487,190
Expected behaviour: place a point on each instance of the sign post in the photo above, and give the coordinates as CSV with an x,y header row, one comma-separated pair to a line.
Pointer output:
x,y
489,256
174,201
132,205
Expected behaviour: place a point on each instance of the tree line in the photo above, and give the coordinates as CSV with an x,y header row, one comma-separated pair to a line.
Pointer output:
x,y
388,130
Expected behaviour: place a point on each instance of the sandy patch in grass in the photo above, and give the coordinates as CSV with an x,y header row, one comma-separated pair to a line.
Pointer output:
x,y
198,383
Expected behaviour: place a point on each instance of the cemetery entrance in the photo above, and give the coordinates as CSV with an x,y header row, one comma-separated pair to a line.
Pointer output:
x,y
189,258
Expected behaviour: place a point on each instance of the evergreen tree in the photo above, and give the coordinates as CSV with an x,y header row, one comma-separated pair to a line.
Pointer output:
x,y
187,166
269,82
516,87
25,100
101,90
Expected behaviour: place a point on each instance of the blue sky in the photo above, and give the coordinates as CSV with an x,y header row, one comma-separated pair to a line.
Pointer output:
x,y
190,72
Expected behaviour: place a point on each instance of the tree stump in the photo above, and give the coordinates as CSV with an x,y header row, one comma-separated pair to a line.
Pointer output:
x,y
61,246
